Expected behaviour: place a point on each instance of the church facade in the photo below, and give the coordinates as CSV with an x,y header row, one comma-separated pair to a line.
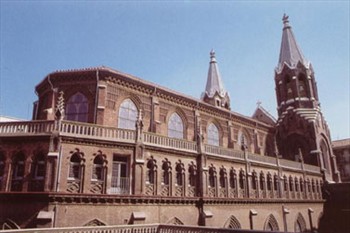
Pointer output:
x,y
108,148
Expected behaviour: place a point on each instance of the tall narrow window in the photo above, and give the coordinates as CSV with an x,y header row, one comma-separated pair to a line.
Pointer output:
x,y
175,126
38,171
179,173
262,181
241,179
192,172
120,178
18,172
2,168
212,177
75,167
77,108
289,89
275,182
166,167
302,86
97,168
254,181
213,135
223,178
127,115
233,179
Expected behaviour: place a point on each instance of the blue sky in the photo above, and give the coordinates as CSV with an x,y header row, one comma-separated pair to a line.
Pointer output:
x,y
169,43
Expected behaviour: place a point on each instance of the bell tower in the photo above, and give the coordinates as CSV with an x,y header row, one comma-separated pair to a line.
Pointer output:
x,y
302,132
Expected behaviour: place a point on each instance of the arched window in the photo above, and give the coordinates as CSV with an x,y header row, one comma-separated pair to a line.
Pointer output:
x,y
254,180
300,224
302,86
301,182
192,172
233,223
269,182
152,168
180,172
166,167
241,179
262,181
289,88
213,135
175,126
97,168
271,224
233,179
77,108
296,183
75,167
285,183
212,177
242,140
127,115
223,177
275,182
291,184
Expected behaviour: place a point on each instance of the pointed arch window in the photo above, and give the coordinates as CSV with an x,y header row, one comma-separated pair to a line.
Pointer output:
x,y
262,181
212,177
38,171
223,177
97,168
175,126
77,108
180,172
302,86
289,88
127,115
213,135
192,172
75,167
241,179
233,179
152,169
275,182
166,167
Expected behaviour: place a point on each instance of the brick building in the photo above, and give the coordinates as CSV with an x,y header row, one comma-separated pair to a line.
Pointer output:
x,y
341,149
108,148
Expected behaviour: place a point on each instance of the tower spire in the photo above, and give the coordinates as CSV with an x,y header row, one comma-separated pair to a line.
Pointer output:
x,y
290,53
215,92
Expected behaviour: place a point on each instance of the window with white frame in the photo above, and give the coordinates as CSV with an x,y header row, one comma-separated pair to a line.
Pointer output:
x,y
127,115
175,126
213,135
77,108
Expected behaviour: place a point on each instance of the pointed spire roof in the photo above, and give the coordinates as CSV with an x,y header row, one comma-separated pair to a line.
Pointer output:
x,y
214,82
290,52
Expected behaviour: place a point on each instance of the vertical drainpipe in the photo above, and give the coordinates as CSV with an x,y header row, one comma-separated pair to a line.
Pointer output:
x,y
96,97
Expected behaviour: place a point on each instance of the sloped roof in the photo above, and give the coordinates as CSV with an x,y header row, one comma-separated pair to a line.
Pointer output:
x,y
290,52
263,115
214,81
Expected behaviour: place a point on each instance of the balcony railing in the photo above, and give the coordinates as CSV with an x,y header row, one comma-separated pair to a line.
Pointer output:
x,y
113,134
19,128
166,142
216,150
77,129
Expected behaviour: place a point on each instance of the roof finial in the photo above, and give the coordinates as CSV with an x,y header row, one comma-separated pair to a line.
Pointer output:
x,y
212,56
285,20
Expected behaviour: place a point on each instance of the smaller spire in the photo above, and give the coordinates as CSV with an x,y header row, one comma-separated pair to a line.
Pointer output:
x,y
215,86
